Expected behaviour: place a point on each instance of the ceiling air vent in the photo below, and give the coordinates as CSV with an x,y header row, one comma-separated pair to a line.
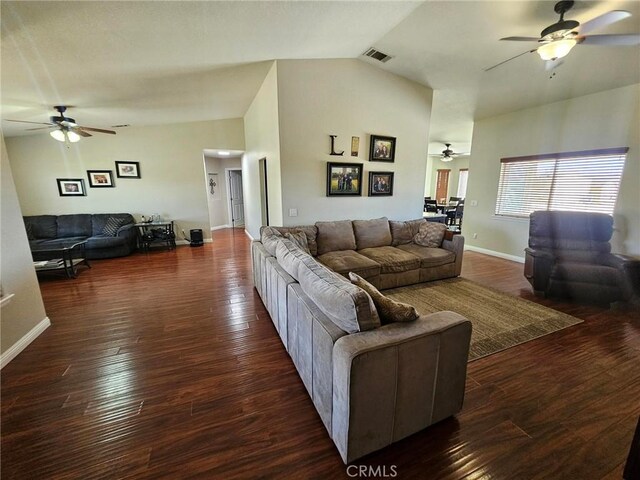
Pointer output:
x,y
382,57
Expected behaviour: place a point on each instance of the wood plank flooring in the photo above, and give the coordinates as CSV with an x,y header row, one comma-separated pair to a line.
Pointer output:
x,y
166,365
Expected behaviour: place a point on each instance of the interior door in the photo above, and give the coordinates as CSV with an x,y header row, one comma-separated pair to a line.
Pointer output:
x,y
442,186
237,202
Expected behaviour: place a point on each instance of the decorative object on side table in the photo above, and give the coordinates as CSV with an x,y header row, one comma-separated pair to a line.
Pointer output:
x,y
71,187
380,184
100,178
382,149
344,179
128,169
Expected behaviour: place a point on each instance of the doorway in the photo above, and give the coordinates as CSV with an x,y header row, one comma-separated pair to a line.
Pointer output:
x,y
235,196
264,194
442,186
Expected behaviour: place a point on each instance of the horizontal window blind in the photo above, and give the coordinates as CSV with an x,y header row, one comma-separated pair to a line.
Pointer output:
x,y
583,181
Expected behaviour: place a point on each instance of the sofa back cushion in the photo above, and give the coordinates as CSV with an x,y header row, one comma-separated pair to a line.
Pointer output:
x,y
99,220
42,226
570,231
402,233
372,233
77,225
310,231
335,236
346,305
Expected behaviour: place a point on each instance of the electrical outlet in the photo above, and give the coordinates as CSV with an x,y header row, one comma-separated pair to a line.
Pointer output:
x,y
474,203
475,235
293,212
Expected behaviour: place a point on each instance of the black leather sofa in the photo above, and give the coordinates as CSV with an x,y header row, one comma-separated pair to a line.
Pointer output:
x,y
569,256
107,234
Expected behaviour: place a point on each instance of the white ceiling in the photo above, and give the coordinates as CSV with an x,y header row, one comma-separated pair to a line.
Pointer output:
x,y
144,63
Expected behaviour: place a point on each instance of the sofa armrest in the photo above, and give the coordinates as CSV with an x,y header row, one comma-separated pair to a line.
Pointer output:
x,y
629,268
130,232
455,245
391,382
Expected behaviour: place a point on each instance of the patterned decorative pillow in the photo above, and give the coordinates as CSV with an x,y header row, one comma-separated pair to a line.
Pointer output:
x,y
112,226
300,239
389,310
430,234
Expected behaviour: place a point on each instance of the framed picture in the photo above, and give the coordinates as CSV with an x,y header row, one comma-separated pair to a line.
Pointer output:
x,y
382,149
128,169
71,187
344,179
100,178
380,184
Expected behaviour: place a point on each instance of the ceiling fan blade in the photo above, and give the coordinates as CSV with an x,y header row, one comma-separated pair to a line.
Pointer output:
x,y
509,59
41,128
603,20
36,123
99,130
611,40
81,132
521,39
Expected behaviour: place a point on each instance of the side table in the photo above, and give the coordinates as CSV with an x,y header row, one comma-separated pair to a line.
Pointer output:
x,y
156,233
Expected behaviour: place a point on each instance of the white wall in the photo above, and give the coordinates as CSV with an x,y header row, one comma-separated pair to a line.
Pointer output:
x,y
262,139
171,167
25,312
601,120
318,98
219,201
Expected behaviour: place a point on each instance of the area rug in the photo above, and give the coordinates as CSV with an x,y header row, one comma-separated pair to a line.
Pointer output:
x,y
499,320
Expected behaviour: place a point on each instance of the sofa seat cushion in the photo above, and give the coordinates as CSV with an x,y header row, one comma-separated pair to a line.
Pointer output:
x,y
75,225
346,305
372,233
392,259
345,261
105,241
334,236
429,257
585,273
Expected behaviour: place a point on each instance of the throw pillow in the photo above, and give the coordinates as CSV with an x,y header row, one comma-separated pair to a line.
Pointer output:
x,y
389,310
430,234
300,239
112,226
269,237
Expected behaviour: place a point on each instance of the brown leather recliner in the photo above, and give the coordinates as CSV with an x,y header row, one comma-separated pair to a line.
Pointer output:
x,y
569,256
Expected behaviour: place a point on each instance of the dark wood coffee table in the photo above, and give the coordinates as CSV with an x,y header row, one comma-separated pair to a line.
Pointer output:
x,y
63,257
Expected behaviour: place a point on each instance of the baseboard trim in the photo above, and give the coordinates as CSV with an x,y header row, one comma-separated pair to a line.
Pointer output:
x,y
249,235
220,227
24,342
493,253
186,242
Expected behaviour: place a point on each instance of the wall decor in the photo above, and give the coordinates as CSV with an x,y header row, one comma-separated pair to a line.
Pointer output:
x,y
128,169
100,178
344,179
382,149
71,187
380,184
333,151
355,146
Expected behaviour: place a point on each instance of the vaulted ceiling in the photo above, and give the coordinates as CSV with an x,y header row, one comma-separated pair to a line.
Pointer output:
x,y
145,63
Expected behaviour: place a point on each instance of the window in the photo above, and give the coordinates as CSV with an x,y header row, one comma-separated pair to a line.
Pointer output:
x,y
463,176
578,181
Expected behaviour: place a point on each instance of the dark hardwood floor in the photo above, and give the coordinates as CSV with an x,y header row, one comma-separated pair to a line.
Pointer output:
x,y
166,365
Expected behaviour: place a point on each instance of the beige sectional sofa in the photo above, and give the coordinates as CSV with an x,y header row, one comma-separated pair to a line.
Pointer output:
x,y
372,384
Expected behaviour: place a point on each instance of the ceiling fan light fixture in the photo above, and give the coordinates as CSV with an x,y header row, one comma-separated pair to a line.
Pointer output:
x,y
556,49
73,136
58,135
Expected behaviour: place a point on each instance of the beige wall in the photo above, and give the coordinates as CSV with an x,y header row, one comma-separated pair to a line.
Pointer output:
x,y
318,98
25,312
171,165
435,164
601,120
219,201
262,138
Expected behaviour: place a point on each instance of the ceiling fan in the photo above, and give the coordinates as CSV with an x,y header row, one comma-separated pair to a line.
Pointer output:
x,y
557,40
65,128
448,155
